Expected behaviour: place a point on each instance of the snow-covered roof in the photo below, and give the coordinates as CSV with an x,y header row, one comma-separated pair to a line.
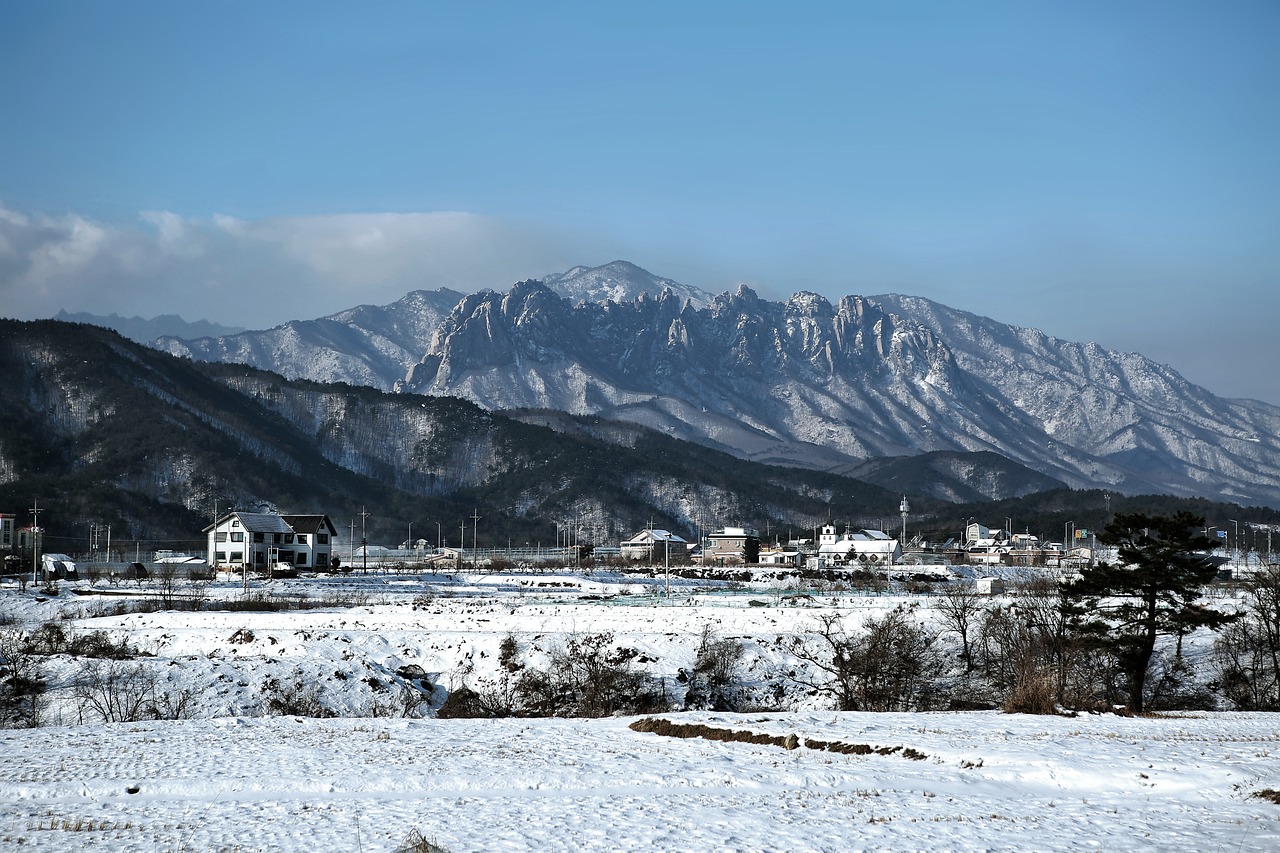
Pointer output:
x,y
644,537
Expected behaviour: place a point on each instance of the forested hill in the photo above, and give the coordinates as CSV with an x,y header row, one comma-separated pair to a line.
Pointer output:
x,y
100,430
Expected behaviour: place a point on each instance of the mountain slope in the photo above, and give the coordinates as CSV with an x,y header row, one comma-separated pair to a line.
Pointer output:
x,y
102,430
368,345
803,382
1137,415
620,281
808,382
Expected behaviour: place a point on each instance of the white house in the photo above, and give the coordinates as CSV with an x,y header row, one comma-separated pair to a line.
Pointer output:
x,y
261,540
857,548
651,545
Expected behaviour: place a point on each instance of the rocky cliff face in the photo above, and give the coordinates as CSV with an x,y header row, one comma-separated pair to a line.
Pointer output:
x,y
814,383
368,345
803,382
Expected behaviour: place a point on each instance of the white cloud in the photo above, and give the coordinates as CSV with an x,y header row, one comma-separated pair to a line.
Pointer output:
x,y
257,273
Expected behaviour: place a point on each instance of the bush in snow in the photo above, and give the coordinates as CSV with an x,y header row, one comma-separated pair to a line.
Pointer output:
x,y
294,699
714,680
891,664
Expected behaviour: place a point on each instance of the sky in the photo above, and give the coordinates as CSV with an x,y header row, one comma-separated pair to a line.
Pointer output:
x,y
1102,171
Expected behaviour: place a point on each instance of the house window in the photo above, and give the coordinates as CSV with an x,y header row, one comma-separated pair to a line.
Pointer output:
x,y
322,560
302,539
221,537
220,557
258,537
237,556
237,537
288,538
235,522
302,558
322,538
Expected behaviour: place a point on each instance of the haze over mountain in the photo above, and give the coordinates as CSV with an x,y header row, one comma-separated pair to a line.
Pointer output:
x,y
802,382
144,330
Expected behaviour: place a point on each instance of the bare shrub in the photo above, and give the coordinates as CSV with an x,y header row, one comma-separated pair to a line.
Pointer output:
x,y
49,639
173,704
166,584
713,681
466,703
99,644
890,665
22,682
416,842
1024,644
414,702
1032,692
593,678
587,677
294,699
115,692
1247,652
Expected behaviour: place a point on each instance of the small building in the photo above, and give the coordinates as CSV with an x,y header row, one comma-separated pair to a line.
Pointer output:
x,y
780,556
732,546
989,586
656,546
7,537
263,540
57,567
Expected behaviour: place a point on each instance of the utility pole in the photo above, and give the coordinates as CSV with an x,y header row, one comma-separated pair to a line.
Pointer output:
x,y
364,540
35,542
475,521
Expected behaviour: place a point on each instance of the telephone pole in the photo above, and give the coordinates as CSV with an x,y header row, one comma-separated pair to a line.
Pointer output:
x,y
35,542
364,540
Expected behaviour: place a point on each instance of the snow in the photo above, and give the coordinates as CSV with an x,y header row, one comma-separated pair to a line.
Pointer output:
x,y
235,779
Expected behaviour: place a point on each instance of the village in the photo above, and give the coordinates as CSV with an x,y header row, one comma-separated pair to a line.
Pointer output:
x,y
270,543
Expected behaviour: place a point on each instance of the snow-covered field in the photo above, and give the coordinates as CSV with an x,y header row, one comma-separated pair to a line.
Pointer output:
x,y
233,778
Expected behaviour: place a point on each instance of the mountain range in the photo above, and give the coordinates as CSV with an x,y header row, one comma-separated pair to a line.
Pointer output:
x,y
837,387
100,430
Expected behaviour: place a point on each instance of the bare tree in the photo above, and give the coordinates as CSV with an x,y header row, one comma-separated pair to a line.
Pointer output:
x,y
166,584
115,691
962,608
22,681
890,665
1247,653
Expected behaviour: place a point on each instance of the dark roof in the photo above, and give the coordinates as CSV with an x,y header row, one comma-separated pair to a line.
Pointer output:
x,y
310,523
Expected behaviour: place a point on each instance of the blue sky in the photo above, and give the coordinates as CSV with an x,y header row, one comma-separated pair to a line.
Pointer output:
x,y
1101,171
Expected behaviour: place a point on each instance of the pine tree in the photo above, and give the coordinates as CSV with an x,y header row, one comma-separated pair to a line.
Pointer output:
x,y
1152,590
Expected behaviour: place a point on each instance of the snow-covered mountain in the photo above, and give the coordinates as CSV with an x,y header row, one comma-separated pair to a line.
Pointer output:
x,y
377,345
808,382
621,281
367,345
802,382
